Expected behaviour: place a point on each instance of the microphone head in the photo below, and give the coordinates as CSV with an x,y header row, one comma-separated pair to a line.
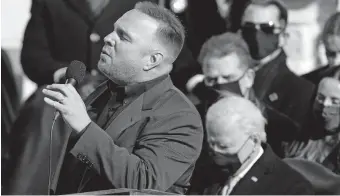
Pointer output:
x,y
76,70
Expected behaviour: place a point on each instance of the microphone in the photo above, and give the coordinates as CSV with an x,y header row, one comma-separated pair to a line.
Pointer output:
x,y
75,74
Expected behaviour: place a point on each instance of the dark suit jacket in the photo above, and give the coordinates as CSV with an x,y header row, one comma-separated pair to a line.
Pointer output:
x,y
317,75
268,176
152,144
286,92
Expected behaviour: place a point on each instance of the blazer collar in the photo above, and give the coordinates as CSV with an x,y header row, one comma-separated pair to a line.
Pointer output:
x,y
264,166
155,92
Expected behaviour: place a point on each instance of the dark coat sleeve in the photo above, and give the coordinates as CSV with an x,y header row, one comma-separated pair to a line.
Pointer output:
x,y
162,153
300,188
36,58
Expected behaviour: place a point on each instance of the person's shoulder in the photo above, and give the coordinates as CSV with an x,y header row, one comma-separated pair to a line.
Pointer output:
x,y
174,101
294,182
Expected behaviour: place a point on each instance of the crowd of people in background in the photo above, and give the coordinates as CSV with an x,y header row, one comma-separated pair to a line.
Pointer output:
x,y
266,129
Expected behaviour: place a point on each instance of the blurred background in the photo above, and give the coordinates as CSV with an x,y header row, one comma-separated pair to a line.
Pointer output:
x,y
202,19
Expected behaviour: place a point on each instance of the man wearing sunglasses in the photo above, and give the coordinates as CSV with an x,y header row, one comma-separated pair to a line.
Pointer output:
x,y
331,39
263,27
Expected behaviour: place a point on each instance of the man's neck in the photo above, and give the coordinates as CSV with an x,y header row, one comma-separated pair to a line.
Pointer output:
x,y
267,59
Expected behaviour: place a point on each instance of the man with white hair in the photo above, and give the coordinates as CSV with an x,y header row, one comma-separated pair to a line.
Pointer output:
x,y
242,162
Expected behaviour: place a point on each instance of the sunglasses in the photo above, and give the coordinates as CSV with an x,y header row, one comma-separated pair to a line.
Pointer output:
x,y
332,53
269,27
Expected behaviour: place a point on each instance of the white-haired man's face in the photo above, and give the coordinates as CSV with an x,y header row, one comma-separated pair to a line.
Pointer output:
x,y
225,139
226,143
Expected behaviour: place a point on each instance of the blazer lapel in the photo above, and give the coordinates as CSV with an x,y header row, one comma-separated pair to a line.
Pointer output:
x,y
126,118
251,182
135,111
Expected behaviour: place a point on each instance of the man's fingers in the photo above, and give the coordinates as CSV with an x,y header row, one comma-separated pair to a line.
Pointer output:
x,y
62,87
72,89
60,107
57,95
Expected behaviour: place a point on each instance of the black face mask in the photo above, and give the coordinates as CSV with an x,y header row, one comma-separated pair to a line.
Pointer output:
x,y
228,164
232,87
260,44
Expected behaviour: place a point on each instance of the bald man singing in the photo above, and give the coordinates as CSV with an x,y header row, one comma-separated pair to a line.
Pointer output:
x,y
242,162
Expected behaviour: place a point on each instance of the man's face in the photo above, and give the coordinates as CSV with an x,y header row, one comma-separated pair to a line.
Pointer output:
x,y
261,28
332,45
226,70
126,50
225,140
261,15
327,103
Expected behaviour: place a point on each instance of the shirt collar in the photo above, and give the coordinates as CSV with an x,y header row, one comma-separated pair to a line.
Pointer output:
x,y
267,59
134,90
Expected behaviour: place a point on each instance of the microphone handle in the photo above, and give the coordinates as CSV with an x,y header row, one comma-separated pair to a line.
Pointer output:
x,y
71,81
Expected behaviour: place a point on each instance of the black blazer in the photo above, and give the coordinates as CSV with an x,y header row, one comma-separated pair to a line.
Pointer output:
x,y
152,144
286,92
268,176
317,75
59,32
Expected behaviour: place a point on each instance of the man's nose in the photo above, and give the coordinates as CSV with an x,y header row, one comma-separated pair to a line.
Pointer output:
x,y
220,80
327,102
110,39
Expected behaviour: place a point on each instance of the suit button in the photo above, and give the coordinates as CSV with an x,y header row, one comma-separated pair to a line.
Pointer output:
x,y
94,37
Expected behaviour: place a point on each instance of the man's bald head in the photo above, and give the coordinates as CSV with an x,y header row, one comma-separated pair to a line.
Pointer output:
x,y
234,113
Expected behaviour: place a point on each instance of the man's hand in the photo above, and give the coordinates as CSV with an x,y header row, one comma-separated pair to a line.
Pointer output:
x,y
69,104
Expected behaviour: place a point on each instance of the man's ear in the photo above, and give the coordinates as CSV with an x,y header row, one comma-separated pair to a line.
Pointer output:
x,y
153,61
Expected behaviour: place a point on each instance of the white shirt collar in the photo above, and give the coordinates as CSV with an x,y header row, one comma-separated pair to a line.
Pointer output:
x,y
240,173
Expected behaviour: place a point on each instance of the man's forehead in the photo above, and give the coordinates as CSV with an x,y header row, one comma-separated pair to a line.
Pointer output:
x,y
137,19
261,14
227,62
330,87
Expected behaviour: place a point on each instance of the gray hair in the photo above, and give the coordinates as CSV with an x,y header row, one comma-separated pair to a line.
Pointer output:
x,y
226,44
239,114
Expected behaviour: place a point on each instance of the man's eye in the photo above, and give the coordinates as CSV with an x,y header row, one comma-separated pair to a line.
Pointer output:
x,y
336,101
320,98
